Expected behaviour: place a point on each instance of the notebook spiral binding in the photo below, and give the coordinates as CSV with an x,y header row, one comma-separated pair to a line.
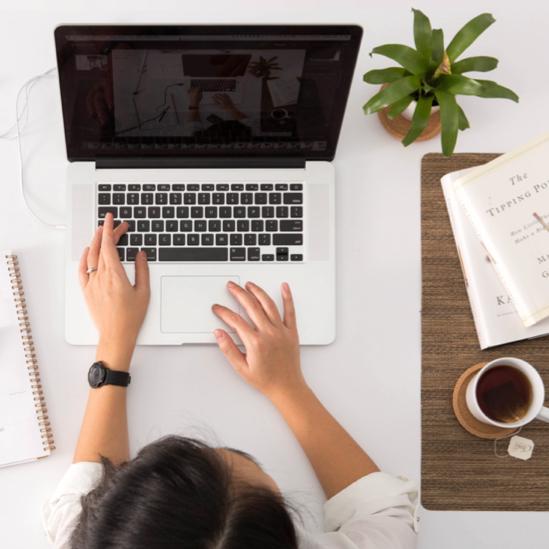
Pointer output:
x,y
30,352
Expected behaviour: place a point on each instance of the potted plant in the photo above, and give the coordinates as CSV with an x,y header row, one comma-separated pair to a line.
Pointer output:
x,y
428,79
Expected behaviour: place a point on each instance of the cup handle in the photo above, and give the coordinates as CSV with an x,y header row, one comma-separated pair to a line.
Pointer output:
x,y
544,414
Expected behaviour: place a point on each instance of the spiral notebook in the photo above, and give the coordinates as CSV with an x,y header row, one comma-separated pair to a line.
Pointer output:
x,y
25,431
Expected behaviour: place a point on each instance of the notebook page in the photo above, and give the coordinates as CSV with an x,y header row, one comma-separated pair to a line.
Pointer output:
x,y
20,438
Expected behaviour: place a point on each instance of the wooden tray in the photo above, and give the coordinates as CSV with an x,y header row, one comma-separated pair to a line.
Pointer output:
x,y
459,471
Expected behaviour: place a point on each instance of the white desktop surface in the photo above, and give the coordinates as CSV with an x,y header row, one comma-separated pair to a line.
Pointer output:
x,y
370,377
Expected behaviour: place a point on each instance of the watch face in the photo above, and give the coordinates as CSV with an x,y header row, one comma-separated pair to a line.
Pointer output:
x,y
97,375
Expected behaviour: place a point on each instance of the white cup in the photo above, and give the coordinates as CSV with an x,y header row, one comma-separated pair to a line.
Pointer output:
x,y
536,410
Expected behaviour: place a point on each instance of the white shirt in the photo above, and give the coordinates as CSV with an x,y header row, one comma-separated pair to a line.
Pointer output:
x,y
375,512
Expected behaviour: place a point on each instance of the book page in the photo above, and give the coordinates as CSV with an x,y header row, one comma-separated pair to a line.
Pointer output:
x,y
20,438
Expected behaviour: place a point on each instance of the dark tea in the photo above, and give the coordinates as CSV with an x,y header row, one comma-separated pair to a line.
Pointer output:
x,y
504,394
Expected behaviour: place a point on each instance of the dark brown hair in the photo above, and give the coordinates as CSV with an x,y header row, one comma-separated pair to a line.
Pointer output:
x,y
178,493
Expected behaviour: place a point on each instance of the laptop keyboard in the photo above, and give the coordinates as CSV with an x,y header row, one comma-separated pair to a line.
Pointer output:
x,y
207,221
214,85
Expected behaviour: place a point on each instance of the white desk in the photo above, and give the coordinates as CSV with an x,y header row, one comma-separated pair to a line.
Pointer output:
x,y
370,378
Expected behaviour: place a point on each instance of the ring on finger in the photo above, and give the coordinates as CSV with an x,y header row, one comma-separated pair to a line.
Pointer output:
x,y
91,270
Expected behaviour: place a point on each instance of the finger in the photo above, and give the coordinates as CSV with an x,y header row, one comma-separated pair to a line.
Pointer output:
x,y
93,253
232,353
269,306
234,320
249,303
83,267
289,309
142,278
108,256
119,230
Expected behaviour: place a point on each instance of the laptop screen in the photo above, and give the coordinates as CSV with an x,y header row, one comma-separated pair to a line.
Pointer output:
x,y
204,90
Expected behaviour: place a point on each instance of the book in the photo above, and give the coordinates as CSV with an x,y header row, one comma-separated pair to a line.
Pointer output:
x,y
25,430
495,317
507,202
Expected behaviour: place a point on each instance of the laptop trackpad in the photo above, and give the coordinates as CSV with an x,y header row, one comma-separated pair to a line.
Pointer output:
x,y
187,303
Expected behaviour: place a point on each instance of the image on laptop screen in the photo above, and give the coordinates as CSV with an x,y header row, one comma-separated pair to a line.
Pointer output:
x,y
220,92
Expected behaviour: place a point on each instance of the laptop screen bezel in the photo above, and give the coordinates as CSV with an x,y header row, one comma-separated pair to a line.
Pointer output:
x,y
79,153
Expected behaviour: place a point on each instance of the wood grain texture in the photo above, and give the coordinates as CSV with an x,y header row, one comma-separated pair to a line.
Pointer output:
x,y
458,470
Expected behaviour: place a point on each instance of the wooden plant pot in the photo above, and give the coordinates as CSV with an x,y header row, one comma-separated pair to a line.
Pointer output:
x,y
398,127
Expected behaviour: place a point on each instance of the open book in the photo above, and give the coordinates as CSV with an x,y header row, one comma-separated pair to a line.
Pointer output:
x,y
496,319
25,432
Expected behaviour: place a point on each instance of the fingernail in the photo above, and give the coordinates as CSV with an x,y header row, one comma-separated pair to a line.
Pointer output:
x,y
218,334
231,284
215,306
285,287
249,283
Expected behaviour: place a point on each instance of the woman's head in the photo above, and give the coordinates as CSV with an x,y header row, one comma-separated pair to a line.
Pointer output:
x,y
180,493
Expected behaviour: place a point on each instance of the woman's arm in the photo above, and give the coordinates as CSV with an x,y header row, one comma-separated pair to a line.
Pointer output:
x,y
118,309
271,365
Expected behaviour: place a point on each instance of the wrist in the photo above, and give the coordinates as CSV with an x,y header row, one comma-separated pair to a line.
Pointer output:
x,y
116,355
286,397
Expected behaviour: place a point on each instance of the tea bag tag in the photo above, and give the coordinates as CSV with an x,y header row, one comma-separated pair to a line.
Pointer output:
x,y
520,447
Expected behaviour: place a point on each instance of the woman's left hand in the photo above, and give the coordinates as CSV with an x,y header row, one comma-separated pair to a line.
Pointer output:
x,y
117,307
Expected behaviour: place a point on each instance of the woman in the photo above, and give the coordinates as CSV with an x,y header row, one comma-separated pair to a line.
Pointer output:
x,y
181,493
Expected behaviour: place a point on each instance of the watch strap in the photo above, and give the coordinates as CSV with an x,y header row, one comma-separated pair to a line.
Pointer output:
x,y
116,377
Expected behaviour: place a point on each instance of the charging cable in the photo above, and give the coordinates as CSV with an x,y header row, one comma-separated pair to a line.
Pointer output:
x,y
15,132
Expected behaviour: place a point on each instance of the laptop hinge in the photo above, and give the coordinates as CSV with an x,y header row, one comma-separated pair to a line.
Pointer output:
x,y
212,162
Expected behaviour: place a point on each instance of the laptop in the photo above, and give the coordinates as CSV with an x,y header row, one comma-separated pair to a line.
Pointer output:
x,y
235,187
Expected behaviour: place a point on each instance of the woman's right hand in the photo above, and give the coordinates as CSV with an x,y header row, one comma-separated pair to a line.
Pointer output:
x,y
271,363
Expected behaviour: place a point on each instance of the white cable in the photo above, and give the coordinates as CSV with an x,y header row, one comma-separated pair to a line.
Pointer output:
x,y
18,127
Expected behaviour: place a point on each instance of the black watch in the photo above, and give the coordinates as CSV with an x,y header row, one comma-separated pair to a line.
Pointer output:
x,y
99,375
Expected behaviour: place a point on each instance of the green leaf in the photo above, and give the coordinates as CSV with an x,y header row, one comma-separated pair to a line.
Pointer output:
x,y
479,64
468,34
383,76
437,47
409,58
422,34
492,89
393,92
457,84
463,123
399,106
449,120
419,120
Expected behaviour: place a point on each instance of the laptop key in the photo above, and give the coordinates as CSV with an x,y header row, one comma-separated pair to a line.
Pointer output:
x,y
260,198
239,211
133,199
163,187
267,211
243,225
182,211
134,188
293,198
257,225
104,210
281,187
229,225
139,212
118,198
225,211
200,225
189,198
197,211
291,225
271,225
147,199
125,212
266,186
143,226
119,187
221,239
296,257
275,198
168,212
252,187
253,211
253,254
222,187
104,199
161,198
282,254
296,211
267,257
207,187
131,225
214,225
165,239
193,254
149,187
121,253
136,239
218,198
179,239
172,225
150,240
178,187
151,253
210,211
186,226
238,254
246,198
296,187
207,239
250,239
193,239
282,211
104,187
193,187
236,239
237,187
175,198
287,239
157,225
131,253
264,240
232,198
203,198
153,212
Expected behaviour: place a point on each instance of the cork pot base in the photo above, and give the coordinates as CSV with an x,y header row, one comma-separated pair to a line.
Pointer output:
x,y
464,416
398,127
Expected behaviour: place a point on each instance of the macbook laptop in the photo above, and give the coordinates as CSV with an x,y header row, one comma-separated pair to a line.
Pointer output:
x,y
236,188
